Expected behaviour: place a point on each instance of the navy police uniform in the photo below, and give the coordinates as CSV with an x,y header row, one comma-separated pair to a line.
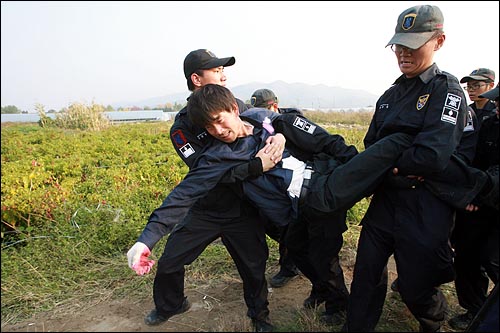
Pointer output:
x,y
475,237
484,113
410,223
219,212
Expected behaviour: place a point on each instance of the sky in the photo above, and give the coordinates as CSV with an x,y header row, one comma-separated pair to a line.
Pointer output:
x,y
60,52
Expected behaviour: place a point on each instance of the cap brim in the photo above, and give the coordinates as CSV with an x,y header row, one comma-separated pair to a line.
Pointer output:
x,y
474,78
491,94
225,62
411,40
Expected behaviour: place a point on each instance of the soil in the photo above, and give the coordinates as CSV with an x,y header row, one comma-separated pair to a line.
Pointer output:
x,y
213,308
218,307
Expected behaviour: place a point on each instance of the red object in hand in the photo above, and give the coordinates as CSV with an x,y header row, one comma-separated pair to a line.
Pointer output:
x,y
138,258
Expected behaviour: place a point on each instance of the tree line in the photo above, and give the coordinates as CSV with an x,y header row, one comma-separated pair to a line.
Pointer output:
x,y
167,107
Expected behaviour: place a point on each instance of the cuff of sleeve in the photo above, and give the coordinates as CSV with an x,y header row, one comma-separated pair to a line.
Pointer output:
x,y
255,167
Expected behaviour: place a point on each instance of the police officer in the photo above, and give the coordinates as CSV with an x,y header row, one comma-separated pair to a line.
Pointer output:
x,y
479,81
411,223
475,236
221,213
314,241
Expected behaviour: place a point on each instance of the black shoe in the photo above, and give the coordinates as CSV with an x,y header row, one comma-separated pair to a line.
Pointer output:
x,y
154,318
262,325
313,301
280,279
462,321
394,286
335,318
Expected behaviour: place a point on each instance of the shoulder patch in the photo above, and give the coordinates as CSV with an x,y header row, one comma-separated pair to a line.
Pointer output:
x,y
178,138
186,150
453,101
304,125
450,108
181,143
469,125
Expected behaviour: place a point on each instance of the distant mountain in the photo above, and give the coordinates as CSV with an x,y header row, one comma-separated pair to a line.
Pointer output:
x,y
305,96
299,95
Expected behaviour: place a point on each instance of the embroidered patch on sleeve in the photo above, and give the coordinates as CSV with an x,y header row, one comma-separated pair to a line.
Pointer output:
x,y
469,125
181,143
450,109
304,125
186,150
178,138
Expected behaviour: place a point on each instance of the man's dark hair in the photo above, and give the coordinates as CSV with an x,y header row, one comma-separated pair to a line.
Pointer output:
x,y
205,103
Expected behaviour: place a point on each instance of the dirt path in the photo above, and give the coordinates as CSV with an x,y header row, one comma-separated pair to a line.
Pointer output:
x,y
214,308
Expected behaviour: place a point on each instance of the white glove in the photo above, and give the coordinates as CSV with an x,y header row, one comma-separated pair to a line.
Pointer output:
x,y
138,258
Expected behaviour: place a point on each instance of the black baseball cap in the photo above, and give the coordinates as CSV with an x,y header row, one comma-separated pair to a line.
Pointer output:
x,y
262,98
417,25
204,59
480,74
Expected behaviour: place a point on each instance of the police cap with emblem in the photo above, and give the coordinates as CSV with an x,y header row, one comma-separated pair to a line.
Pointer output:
x,y
417,25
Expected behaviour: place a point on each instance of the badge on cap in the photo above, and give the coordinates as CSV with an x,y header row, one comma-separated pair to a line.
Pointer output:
x,y
210,53
253,100
409,21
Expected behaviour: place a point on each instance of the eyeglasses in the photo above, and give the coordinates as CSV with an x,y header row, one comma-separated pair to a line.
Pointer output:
x,y
398,48
475,86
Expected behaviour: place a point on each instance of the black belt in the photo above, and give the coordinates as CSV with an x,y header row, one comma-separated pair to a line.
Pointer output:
x,y
305,183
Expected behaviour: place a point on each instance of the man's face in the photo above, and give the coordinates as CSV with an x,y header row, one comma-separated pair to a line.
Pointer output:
x,y
213,76
226,126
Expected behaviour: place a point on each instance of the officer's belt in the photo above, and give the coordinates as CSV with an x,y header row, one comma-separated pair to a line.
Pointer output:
x,y
305,183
